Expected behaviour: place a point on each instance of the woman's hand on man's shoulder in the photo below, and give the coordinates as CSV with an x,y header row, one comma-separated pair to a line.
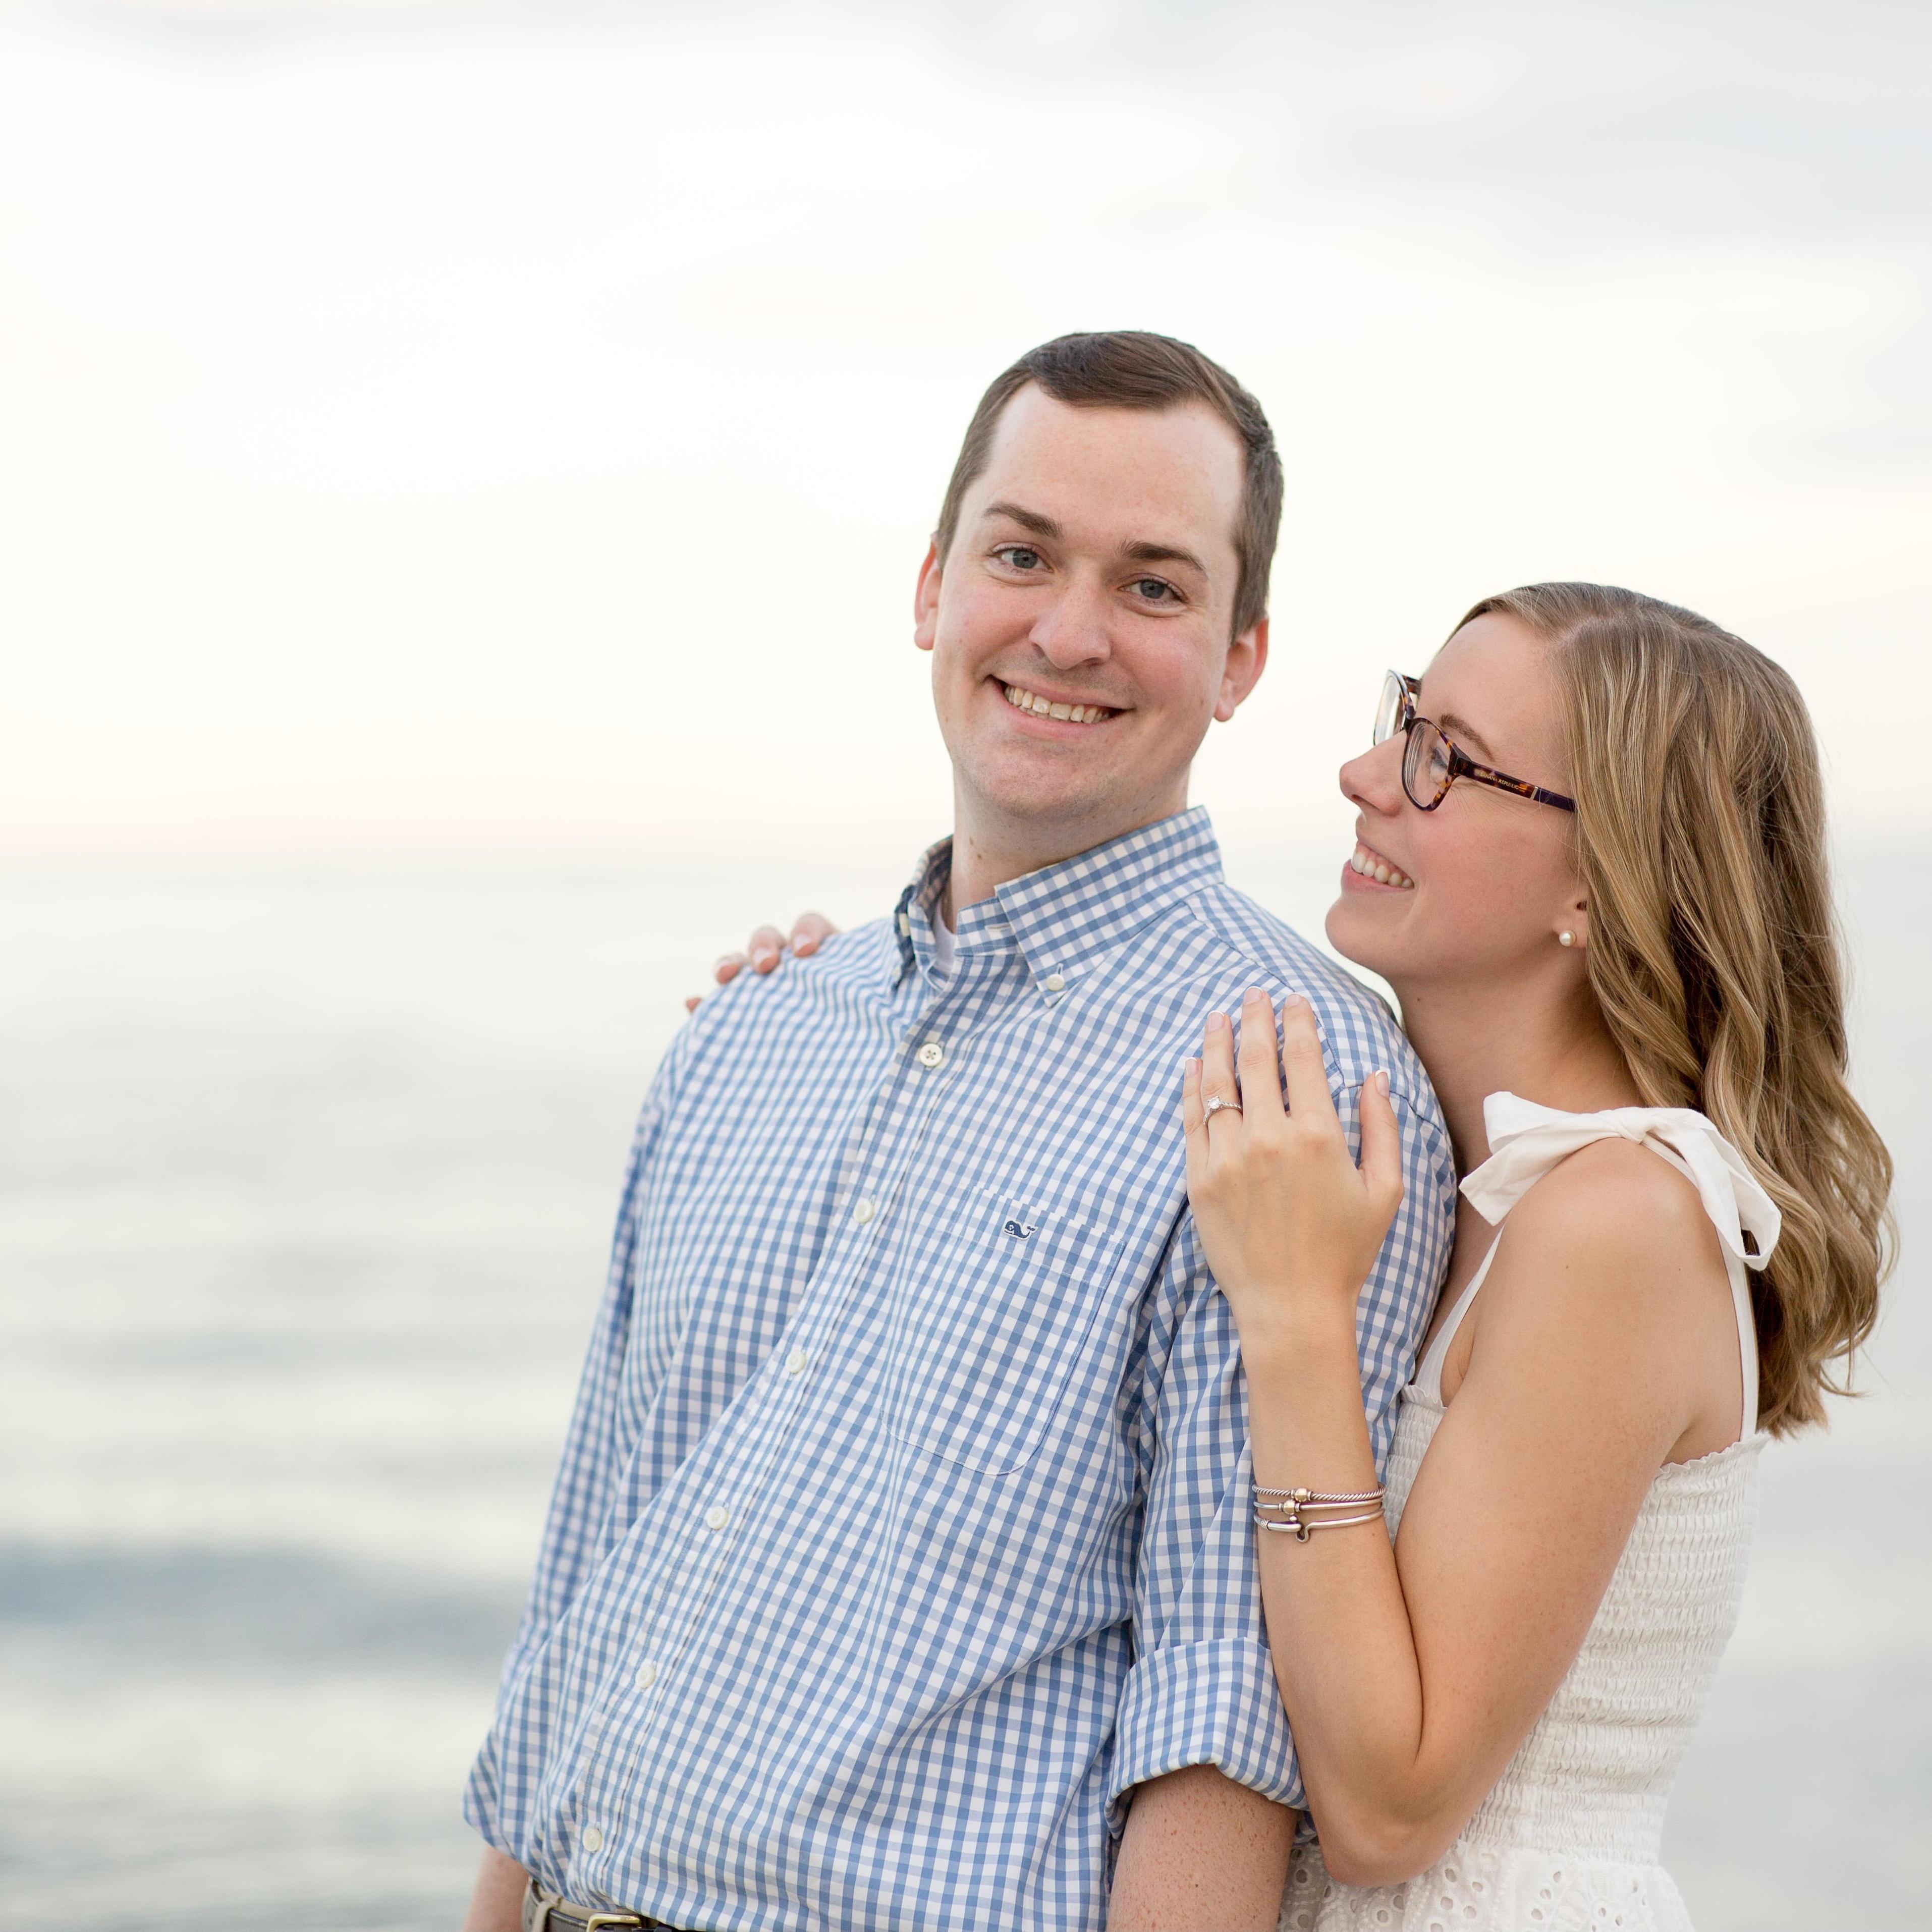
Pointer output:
x,y
1290,1221
766,946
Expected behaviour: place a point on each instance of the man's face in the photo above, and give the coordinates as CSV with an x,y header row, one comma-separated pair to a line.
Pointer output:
x,y
1079,626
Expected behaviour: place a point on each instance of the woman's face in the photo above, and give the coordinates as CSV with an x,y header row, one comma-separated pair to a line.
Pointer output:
x,y
1477,890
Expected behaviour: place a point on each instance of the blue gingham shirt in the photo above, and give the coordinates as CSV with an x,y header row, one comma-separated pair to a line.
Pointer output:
x,y
903,1526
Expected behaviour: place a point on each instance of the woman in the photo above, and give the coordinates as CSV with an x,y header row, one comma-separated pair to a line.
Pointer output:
x,y
1591,864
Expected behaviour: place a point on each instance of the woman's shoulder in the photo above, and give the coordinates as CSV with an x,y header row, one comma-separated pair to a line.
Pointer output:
x,y
1611,1278
1615,1190
1625,1231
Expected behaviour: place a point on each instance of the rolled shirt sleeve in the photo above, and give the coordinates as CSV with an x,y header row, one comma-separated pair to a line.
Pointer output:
x,y
1202,1689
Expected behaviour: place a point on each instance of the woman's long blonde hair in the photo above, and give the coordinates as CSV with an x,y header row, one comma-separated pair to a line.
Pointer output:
x,y
1714,951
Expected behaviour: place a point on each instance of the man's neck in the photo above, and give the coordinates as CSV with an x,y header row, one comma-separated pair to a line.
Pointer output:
x,y
989,849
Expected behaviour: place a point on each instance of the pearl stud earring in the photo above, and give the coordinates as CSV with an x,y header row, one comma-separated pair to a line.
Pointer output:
x,y
1566,939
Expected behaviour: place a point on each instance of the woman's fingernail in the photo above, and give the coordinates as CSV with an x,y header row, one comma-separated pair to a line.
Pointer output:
x,y
763,957
1255,993
1292,1000
803,945
1216,1022
1381,1080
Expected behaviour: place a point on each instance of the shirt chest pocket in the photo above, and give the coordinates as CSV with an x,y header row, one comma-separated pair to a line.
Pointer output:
x,y
994,1306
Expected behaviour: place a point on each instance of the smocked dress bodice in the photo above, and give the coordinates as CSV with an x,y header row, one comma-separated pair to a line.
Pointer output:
x,y
1570,1835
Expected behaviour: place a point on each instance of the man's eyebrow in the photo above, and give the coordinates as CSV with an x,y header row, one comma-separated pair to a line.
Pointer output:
x,y
1155,553
1463,732
1037,523
1031,520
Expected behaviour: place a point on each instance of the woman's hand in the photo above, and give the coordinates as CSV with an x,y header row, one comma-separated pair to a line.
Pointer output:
x,y
1292,1225
809,930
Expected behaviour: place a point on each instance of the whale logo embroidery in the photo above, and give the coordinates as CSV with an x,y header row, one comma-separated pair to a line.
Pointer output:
x,y
1019,1233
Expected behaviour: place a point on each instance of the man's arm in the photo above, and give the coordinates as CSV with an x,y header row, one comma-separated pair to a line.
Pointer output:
x,y
1200,1853
595,1449
1199,1714
1202,1755
496,1905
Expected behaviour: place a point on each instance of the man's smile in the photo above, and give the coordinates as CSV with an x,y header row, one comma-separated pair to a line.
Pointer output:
x,y
1039,706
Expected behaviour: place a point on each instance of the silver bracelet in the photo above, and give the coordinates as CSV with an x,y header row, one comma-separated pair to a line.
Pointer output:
x,y
1286,1509
1321,1499
1303,1530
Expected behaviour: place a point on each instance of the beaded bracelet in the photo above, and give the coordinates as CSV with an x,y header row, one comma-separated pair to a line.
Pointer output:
x,y
1288,1509
1323,1498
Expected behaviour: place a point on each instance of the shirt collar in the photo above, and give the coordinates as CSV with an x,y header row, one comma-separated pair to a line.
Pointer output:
x,y
1065,915
918,909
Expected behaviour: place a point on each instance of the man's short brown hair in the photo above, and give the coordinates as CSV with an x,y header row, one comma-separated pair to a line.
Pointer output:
x,y
1130,369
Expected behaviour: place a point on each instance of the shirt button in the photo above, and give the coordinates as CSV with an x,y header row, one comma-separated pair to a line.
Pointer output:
x,y
717,1516
863,1211
932,1055
1055,983
593,1839
647,1676
797,1362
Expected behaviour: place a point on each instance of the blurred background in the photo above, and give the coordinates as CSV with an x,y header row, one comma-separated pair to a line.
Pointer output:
x,y
463,469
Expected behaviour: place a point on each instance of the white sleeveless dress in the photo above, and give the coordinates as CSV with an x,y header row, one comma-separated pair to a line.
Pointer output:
x,y
1570,1836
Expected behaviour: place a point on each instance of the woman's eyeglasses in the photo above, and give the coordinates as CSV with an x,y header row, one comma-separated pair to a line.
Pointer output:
x,y
1431,763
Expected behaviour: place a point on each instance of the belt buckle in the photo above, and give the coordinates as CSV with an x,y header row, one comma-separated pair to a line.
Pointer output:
x,y
598,1920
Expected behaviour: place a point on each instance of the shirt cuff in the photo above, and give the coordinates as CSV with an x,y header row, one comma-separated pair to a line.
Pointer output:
x,y
1204,1703
482,1809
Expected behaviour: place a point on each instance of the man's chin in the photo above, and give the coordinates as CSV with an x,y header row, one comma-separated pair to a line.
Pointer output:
x,y
1028,786
1068,817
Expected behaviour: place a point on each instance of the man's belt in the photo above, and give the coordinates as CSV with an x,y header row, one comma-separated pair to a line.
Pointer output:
x,y
545,1912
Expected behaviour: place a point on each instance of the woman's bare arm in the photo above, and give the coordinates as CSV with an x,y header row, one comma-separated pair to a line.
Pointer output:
x,y
1411,1674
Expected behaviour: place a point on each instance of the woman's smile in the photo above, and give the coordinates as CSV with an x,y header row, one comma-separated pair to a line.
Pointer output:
x,y
1367,867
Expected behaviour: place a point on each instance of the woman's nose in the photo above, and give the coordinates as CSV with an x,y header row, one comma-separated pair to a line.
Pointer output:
x,y
1374,779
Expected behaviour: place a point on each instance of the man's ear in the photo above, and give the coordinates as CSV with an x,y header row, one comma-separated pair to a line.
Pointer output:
x,y
925,599
1247,658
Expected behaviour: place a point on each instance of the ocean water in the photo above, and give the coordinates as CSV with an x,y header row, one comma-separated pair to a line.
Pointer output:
x,y
308,1165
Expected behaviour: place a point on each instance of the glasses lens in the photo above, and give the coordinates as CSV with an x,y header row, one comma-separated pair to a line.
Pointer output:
x,y
1425,766
1389,710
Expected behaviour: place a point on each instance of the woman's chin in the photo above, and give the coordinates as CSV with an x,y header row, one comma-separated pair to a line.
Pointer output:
x,y
1357,929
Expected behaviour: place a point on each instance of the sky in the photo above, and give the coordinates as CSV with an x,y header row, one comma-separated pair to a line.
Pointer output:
x,y
458,419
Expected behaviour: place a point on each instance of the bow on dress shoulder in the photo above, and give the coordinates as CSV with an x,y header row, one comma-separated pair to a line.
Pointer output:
x,y
1526,1141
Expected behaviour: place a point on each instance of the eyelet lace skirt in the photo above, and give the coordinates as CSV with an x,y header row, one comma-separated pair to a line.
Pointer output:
x,y
1487,1889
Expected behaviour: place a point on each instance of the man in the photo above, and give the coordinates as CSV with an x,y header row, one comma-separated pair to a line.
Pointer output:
x,y
900,1570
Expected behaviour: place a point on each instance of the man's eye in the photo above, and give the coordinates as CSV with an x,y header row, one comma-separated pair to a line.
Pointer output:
x,y
1154,589
1019,556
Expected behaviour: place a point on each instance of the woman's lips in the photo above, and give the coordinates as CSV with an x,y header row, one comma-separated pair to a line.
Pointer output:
x,y
1368,863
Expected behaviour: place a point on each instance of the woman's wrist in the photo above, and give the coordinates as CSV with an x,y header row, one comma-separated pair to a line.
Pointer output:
x,y
1295,1339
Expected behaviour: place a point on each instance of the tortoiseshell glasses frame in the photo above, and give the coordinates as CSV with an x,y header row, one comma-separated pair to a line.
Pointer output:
x,y
1432,761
